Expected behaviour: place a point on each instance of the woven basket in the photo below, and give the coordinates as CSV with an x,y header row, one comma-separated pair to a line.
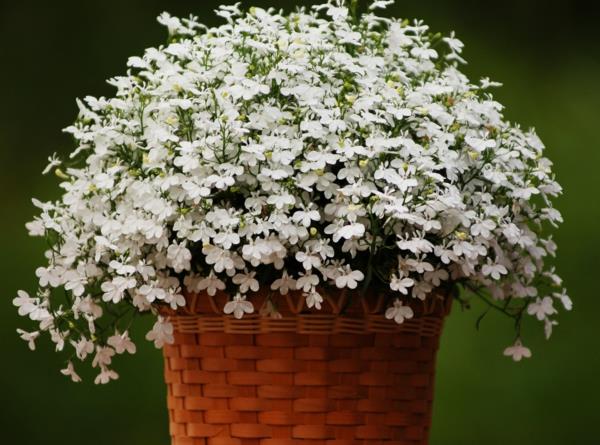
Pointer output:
x,y
340,376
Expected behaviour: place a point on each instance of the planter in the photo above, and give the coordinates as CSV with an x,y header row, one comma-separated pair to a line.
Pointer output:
x,y
308,377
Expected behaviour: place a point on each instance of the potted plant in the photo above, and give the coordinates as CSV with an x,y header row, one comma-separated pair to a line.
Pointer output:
x,y
297,199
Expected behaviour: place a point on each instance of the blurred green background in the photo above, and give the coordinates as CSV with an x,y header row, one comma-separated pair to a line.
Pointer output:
x,y
547,56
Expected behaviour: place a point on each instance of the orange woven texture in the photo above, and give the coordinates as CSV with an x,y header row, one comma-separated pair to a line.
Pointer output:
x,y
291,388
344,375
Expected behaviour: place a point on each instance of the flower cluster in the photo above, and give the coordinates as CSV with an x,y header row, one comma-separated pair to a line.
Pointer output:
x,y
290,152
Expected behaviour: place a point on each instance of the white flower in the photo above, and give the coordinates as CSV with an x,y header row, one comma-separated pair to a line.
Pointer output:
x,y
380,4
548,326
564,299
53,162
211,284
349,278
401,284
479,144
49,276
75,281
541,308
114,290
517,351
121,343
238,306
179,257
483,228
494,270
284,284
398,312
125,269
307,282
308,260
25,303
306,217
83,347
313,299
29,337
246,281
103,356
219,258
105,376
161,333
355,230
281,201
69,371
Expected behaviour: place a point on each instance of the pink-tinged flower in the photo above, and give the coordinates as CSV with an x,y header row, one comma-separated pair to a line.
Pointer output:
x,y
69,371
541,308
161,333
121,343
29,337
25,303
105,376
517,351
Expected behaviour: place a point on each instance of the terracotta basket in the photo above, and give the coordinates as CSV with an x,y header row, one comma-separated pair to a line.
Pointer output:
x,y
340,376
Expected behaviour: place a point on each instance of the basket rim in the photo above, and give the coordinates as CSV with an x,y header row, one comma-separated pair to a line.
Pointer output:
x,y
339,314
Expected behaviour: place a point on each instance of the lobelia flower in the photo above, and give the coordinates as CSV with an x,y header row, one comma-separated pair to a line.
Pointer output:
x,y
246,281
105,376
29,337
313,299
238,306
69,371
103,356
494,270
25,303
401,284
179,257
398,312
161,333
83,347
121,343
349,278
211,284
284,284
114,290
517,351
541,308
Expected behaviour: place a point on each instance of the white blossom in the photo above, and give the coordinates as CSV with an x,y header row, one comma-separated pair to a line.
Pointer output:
x,y
517,351
541,308
121,343
161,333
69,371
284,284
238,306
105,376
29,337
401,284
349,278
399,312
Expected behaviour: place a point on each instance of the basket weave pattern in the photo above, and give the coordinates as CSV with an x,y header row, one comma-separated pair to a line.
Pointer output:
x,y
333,379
